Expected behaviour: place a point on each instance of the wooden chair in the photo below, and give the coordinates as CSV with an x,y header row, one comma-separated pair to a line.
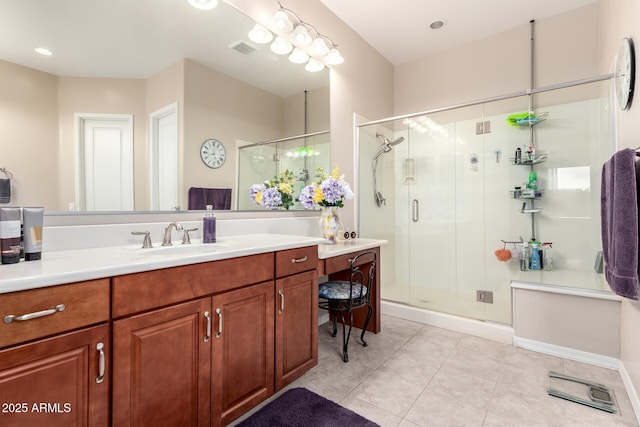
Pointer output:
x,y
342,297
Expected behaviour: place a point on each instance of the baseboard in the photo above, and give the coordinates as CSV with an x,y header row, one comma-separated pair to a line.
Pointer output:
x,y
492,331
323,318
567,353
631,390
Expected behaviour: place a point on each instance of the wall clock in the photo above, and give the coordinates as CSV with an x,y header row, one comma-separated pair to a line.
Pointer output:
x,y
625,73
213,153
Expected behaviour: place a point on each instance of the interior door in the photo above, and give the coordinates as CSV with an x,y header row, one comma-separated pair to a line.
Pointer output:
x,y
164,158
104,153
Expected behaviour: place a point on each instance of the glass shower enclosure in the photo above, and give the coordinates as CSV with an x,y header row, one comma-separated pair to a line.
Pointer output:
x,y
446,197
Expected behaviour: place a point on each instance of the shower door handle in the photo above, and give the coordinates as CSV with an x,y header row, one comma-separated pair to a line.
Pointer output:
x,y
415,212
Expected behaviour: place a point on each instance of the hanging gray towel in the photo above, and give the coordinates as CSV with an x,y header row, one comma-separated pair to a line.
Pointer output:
x,y
5,190
619,220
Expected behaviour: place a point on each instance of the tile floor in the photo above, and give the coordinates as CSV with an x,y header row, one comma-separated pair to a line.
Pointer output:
x,y
418,375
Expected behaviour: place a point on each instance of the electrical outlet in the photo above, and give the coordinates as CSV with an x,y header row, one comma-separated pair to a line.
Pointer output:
x,y
484,296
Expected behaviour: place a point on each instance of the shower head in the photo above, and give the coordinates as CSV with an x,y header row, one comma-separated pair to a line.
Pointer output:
x,y
387,143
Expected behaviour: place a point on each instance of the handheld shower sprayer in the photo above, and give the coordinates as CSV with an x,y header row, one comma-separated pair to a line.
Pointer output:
x,y
386,147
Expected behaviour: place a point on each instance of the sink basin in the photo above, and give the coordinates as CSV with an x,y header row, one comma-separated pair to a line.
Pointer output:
x,y
182,249
175,250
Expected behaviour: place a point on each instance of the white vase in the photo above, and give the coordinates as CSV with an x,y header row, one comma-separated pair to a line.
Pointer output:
x,y
329,221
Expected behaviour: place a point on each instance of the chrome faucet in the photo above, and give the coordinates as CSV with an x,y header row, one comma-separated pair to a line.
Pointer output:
x,y
166,240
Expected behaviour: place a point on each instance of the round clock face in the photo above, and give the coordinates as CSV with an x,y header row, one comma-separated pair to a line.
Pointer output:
x,y
625,74
213,153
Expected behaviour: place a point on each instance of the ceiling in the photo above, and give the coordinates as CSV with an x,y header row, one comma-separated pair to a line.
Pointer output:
x,y
139,38
399,29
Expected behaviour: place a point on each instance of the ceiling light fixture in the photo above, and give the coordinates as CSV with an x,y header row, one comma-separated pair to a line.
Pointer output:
x,y
281,46
291,31
313,65
43,51
281,21
436,25
298,56
260,34
203,4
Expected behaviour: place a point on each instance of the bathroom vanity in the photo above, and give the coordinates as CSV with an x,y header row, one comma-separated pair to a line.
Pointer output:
x,y
195,339
181,335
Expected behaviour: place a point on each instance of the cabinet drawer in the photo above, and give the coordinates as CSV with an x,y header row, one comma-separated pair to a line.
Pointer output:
x,y
343,262
134,293
292,261
85,303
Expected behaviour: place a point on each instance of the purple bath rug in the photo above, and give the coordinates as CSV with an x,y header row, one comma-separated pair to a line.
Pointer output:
x,y
300,407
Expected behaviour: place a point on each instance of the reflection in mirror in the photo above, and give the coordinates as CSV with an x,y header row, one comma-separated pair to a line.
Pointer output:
x,y
263,161
179,75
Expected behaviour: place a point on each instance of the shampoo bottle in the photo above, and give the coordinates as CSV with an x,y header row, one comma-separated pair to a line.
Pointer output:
x,y
209,226
533,181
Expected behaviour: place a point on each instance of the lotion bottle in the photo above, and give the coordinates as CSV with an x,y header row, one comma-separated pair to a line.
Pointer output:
x,y
33,218
209,226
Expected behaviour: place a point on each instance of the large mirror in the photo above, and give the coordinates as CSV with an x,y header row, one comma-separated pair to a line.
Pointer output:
x,y
154,79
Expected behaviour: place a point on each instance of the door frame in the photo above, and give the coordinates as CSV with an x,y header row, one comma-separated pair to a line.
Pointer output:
x,y
78,145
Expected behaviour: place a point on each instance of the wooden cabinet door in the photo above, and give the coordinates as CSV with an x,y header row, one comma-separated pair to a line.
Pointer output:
x,y
57,381
162,367
242,346
296,326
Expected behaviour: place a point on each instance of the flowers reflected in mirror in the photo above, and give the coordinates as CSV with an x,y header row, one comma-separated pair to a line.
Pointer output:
x,y
276,193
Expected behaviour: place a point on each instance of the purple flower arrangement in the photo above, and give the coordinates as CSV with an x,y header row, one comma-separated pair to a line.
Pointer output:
x,y
328,190
275,193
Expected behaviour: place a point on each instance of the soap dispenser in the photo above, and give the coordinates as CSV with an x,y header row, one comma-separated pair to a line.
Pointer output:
x,y
209,226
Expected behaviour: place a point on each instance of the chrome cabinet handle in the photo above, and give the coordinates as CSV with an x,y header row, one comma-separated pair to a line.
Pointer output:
x,y
208,317
101,362
281,293
13,318
298,260
416,210
219,313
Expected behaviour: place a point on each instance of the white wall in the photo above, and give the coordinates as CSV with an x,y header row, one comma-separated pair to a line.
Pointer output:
x,y
500,64
619,19
363,84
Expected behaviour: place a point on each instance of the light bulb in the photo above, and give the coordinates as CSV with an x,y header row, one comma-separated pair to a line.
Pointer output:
x,y
334,57
203,4
260,34
314,65
298,56
282,22
300,36
319,47
281,46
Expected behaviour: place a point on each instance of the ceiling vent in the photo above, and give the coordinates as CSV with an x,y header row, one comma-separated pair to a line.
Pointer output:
x,y
243,47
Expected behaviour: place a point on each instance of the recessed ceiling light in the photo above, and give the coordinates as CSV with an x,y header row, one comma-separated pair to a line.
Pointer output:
x,y
203,4
436,25
43,51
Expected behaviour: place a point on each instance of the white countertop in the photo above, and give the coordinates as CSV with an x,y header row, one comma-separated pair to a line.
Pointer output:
x,y
62,267
343,247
